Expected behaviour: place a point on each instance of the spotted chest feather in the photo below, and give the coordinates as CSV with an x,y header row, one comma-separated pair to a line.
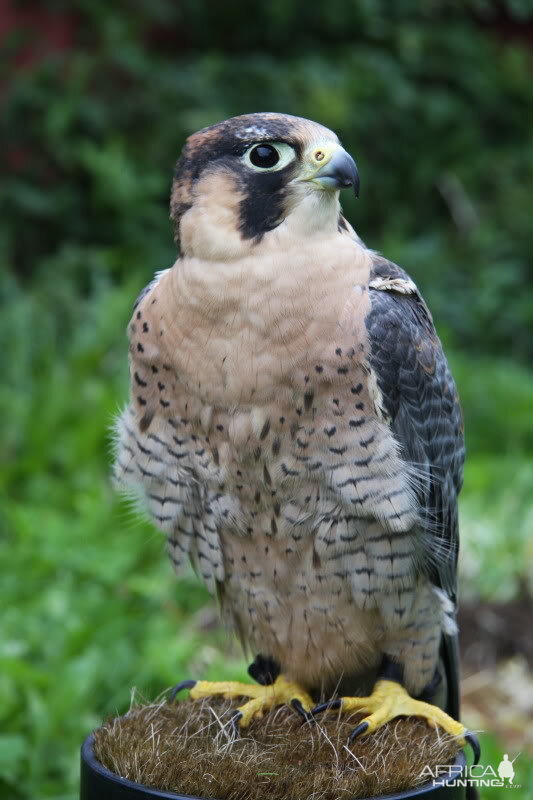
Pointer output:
x,y
315,470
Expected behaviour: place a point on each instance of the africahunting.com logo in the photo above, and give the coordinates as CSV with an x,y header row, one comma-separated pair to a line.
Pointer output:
x,y
477,774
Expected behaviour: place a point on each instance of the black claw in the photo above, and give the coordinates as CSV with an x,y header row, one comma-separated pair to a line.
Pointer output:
x,y
234,720
179,687
297,705
326,706
358,730
473,741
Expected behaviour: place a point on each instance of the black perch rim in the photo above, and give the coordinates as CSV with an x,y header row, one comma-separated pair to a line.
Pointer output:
x,y
98,783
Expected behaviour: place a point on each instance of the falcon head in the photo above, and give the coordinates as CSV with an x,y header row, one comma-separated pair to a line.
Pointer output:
x,y
256,180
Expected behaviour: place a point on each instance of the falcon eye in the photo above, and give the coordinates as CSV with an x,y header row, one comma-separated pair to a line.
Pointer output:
x,y
264,156
269,156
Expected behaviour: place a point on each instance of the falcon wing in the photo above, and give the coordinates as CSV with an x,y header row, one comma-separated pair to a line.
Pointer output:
x,y
420,397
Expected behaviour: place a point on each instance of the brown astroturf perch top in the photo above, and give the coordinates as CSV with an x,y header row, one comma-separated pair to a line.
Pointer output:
x,y
190,748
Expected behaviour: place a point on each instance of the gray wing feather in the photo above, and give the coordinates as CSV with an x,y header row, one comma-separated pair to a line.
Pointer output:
x,y
421,399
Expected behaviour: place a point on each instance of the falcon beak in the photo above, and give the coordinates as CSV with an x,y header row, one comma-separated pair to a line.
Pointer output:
x,y
336,169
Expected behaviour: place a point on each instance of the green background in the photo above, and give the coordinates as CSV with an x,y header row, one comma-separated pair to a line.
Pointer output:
x,y
435,102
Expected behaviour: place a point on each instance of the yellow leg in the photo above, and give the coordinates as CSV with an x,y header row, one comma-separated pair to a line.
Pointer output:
x,y
388,701
262,698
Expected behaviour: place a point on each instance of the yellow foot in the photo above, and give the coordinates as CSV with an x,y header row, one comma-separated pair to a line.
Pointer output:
x,y
388,701
262,698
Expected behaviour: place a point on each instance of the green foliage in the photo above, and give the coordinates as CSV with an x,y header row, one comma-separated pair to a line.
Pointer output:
x,y
496,507
431,100
434,105
90,607
492,755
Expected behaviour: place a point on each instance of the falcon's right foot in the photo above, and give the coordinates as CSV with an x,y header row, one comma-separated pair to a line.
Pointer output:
x,y
262,698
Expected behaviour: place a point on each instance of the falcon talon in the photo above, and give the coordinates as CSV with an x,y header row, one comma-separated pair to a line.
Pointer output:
x,y
359,730
390,700
235,722
260,698
330,705
306,715
190,684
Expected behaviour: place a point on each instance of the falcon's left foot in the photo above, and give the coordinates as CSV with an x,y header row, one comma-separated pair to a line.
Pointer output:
x,y
388,701
262,698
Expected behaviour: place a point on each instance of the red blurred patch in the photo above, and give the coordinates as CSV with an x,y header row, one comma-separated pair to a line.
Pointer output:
x,y
37,30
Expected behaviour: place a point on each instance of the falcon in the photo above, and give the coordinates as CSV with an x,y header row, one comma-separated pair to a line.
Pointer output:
x,y
294,430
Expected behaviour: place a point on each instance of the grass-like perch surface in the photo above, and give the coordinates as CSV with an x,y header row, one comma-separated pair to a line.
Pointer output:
x,y
190,747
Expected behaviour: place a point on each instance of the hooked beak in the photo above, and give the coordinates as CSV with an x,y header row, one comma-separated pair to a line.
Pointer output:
x,y
338,172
